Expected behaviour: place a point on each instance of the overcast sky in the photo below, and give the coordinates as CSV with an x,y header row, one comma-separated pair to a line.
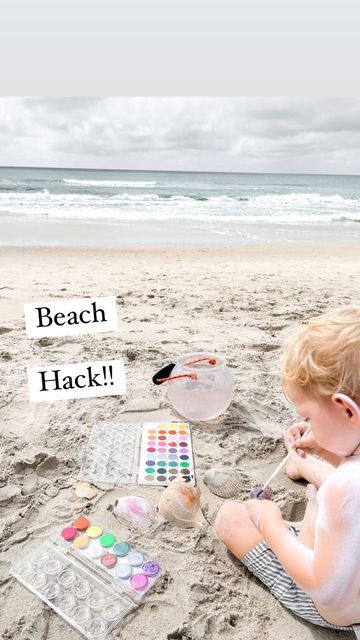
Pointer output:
x,y
194,134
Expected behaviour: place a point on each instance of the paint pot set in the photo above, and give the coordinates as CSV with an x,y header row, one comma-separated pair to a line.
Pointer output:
x,y
152,454
82,598
130,570
88,576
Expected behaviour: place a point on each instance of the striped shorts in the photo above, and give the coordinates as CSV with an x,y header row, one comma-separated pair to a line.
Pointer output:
x,y
263,563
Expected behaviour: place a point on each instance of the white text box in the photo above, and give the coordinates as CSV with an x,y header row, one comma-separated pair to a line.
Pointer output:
x,y
80,380
70,317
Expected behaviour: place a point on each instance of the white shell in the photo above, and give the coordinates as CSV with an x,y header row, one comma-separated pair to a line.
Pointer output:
x,y
180,505
223,483
134,512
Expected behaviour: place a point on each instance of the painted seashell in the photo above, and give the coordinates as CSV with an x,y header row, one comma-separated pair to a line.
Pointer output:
x,y
261,494
180,505
223,482
134,512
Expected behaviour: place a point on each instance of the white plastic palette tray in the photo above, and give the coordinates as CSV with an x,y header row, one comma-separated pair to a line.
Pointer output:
x,y
152,454
93,588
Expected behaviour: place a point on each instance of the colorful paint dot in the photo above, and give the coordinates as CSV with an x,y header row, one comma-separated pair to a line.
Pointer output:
x,y
183,444
185,472
107,540
135,558
182,450
172,450
184,464
161,478
151,449
161,450
162,431
108,560
161,470
121,549
123,570
172,444
139,581
182,433
151,437
173,471
152,431
161,463
162,438
151,568
69,533
149,478
172,432
81,523
81,542
173,464
184,457
173,456
149,470
150,463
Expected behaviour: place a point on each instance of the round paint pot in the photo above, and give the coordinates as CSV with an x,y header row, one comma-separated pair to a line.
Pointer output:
x,y
121,549
67,578
41,559
139,581
81,542
25,569
135,558
81,523
96,600
82,615
111,611
94,531
95,550
38,579
51,591
81,589
150,568
97,628
107,540
108,560
69,533
123,571
53,567
67,602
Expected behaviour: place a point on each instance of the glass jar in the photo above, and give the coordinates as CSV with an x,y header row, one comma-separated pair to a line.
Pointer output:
x,y
205,387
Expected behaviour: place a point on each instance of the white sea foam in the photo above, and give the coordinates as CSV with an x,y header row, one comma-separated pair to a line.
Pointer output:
x,y
110,183
295,208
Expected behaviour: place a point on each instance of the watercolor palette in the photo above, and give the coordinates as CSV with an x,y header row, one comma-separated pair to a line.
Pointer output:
x,y
166,454
90,605
115,456
110,455
88,577
130,570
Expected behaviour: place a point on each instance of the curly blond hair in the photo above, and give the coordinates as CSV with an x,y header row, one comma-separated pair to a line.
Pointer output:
x,y
324,357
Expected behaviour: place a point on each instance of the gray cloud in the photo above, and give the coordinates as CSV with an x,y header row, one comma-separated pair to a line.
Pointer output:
x,y
219,134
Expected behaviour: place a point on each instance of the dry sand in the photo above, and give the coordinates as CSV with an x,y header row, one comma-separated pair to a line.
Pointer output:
x,y
241,302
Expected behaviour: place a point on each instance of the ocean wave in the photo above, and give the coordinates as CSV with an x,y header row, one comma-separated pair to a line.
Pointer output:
x,y
296,208
110,183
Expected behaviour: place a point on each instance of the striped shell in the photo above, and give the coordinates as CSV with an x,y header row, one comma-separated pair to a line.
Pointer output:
x,y
223,483
134,512
180,505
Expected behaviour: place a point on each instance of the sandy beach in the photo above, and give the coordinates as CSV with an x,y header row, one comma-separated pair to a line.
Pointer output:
x,y
239,301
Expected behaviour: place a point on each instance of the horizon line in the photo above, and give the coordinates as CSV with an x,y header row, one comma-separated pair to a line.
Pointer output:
x,y
286,173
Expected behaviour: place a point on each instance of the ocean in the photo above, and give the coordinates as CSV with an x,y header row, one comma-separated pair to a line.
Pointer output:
x,y
73,207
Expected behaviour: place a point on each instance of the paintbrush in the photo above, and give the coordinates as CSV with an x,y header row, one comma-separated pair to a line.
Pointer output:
x,y
280,466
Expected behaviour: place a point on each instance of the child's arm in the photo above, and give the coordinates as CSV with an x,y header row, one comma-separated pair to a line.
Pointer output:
x,y
326,572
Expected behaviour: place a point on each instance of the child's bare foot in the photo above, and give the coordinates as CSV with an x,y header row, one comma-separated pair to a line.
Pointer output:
x,y
293,467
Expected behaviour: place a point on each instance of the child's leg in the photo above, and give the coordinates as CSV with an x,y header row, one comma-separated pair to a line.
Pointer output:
x,y
235,529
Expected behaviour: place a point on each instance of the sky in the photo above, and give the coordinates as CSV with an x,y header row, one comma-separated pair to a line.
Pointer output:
x,y
183,134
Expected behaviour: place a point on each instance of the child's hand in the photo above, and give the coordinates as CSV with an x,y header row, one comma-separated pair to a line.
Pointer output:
x,y
261,511
293,439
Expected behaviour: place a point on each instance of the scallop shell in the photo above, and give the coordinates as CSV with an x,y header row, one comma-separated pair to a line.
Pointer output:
x,y
223,483
180,505
134,512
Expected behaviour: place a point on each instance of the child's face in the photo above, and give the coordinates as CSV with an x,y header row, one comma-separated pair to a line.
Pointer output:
x,y
331,427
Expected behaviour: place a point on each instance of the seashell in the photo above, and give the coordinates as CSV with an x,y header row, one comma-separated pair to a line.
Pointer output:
x,y
180,505
223,483
134,512
261,494
84,490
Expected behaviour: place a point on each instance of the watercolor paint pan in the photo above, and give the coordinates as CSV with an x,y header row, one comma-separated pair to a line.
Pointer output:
x,y
129,569
88,603
152,454
166,453
110,456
